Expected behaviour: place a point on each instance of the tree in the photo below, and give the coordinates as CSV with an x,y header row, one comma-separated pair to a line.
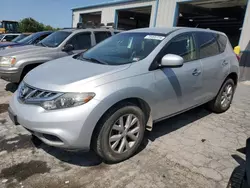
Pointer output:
x,y
31,25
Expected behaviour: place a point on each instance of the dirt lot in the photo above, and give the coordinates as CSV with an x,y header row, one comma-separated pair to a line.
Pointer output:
x,y
195,149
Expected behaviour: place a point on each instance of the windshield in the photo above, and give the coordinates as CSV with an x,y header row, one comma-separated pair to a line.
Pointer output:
x,y
19,38
55,39
123,48
28,39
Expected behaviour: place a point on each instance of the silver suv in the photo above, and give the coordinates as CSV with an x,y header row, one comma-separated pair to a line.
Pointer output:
x,y
15,63
106,97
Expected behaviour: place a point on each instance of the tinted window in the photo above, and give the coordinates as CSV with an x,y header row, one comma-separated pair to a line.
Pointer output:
x,y
40,38
222,41
124,48
207,44
183,46
116,32
20,37
100,36
10,37
81,41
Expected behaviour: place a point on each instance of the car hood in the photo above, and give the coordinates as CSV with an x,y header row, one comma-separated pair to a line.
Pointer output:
x,y
24,51
68,74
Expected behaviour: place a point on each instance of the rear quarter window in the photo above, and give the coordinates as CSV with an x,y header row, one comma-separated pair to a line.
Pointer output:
x,y
222,41
207,44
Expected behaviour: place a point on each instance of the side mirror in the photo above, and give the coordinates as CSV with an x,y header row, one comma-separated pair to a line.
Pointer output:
x,y
171,60
4,40
68,48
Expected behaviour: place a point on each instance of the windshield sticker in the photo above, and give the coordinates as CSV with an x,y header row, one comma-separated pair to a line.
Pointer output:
x,y
154,37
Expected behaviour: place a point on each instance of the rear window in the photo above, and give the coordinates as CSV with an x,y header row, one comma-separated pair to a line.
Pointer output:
x,y
222,41
207,44
100,36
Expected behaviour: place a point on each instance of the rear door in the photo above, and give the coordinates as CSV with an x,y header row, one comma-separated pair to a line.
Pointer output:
x,y
214,63
180,88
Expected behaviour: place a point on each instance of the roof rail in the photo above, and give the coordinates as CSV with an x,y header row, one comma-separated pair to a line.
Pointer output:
x,y
91,24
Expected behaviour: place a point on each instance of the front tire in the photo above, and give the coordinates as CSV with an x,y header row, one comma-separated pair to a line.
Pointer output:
x,y
224,98
119,133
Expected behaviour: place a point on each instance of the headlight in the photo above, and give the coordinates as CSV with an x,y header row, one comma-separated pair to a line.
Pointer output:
x,y
7,61
68,100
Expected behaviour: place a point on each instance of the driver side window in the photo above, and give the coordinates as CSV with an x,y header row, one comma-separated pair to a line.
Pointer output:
x,y
81,41
182,45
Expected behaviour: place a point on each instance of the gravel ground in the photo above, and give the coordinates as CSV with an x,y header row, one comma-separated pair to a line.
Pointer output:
x,y
194,149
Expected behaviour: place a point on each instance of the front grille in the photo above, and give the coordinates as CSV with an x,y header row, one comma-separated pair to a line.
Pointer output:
x,y
29,94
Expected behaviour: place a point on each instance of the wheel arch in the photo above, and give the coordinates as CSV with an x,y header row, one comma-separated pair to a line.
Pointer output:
x,y
234,77
141,103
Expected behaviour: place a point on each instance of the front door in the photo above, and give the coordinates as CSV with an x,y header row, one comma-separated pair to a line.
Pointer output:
x,y
80,42
179,88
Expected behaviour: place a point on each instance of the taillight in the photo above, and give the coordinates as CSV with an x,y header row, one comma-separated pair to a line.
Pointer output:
x,y
238,57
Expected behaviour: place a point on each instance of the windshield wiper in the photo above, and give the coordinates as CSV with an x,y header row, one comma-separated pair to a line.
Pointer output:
x,y
95,60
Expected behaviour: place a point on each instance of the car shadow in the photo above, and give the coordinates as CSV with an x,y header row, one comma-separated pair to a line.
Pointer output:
x,y
174,123
79,158
162,128
12,87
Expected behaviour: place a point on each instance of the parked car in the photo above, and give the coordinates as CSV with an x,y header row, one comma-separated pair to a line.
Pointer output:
x,y
31,39
20,37
8,37
16,62
240,177
105,97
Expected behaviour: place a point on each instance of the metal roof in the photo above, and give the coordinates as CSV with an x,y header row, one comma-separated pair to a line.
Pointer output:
x,y
107,3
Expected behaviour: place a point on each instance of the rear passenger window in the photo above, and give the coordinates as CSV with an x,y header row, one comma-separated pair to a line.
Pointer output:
x,y
100,36
207,44
222,41
183,46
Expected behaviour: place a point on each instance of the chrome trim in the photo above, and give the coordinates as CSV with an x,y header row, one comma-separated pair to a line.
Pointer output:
x,y
31,95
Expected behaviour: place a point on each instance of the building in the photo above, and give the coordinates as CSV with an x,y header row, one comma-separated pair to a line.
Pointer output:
x,y
229,16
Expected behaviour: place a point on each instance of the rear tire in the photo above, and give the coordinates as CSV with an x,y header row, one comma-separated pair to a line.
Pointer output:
x,y
119,133
224,98
237,178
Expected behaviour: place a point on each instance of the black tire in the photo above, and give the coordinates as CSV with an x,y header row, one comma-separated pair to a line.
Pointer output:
x,y
215,105
100,140
237,177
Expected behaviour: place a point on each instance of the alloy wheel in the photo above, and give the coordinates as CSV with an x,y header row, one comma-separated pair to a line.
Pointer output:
x,y
226,96
124,133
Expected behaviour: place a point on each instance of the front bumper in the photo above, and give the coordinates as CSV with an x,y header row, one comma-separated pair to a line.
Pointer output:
x,y
69,128
10,74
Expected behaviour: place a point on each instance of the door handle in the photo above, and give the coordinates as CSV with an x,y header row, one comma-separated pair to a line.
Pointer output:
x,y
196,72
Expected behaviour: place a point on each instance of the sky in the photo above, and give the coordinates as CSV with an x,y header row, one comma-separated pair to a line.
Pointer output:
x,y
56,13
